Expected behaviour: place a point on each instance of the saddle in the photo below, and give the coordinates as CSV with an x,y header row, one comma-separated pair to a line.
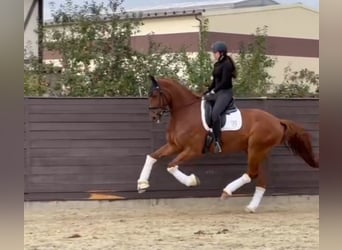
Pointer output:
x,y
208,107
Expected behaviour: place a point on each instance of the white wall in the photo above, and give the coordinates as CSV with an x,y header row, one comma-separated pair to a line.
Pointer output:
x,y
169,25
30,36
290,21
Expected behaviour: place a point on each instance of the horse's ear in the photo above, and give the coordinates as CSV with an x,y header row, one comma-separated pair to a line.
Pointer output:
x,y
155,84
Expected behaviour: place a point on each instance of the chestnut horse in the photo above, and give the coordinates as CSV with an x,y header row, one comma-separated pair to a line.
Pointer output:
x,y
186,135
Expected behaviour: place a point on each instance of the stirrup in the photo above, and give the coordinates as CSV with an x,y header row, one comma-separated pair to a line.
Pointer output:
x,y
218,148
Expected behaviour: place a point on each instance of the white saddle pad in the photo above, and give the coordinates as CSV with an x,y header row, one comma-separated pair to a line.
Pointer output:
x,y
233,120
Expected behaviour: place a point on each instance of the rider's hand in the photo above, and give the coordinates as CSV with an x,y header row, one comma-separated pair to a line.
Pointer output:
x,y
206,93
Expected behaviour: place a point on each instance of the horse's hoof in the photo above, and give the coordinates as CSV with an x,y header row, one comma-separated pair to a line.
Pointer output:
x,y
142,186
250,209
140,191
224,196
194,181
198,182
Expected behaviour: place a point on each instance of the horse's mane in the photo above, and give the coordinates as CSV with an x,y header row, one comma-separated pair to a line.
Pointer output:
x,y
175,83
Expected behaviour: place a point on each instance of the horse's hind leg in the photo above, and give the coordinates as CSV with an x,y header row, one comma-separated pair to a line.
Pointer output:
x,y
165,150
234,185
260,189
255,158
256,170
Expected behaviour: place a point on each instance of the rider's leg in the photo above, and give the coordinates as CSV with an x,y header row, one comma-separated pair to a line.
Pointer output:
x,y
223,98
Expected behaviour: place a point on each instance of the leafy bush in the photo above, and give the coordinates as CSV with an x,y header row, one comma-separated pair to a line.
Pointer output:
x,y
253,64
302,83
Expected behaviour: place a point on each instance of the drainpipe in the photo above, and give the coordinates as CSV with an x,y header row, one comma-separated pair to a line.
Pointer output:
x,y
40,35
200,30
201,45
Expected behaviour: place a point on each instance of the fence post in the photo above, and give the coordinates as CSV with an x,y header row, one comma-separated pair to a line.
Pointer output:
x,y
27,162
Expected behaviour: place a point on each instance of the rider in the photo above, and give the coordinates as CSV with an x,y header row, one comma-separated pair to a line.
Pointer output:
x,y
221,89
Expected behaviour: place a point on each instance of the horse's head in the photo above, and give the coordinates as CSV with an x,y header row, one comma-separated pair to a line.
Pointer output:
x,y
158,102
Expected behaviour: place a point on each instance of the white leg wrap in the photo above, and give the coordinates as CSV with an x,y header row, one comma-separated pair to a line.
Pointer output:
x,y
234,185
145,173
258,194
187,180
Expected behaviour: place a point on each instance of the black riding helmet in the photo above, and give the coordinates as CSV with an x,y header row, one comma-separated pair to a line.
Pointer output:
x,y
219,47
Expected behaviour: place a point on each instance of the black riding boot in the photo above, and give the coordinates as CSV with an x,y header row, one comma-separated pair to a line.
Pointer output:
x,y
217,136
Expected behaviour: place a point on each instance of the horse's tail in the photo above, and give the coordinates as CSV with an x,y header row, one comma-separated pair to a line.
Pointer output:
x,y
299,141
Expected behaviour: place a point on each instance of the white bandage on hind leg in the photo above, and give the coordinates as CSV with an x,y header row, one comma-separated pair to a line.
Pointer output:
x,y
146,171
234,185
258,194
187,180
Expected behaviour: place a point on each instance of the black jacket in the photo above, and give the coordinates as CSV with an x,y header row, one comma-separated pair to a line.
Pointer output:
x,y
223,72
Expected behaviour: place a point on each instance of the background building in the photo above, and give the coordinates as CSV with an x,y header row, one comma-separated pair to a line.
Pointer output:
x,y
293,30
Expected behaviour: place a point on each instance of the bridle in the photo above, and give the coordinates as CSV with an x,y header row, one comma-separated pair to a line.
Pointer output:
x,y
162,107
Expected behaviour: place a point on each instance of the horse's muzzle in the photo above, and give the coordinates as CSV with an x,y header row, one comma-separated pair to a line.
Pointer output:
x,y
156,115
156,119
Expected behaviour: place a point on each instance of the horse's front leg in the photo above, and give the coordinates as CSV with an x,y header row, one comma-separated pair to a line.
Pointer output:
x,y
165,150
187,180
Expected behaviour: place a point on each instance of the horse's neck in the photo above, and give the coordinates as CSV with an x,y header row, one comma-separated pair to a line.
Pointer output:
x,y
180,97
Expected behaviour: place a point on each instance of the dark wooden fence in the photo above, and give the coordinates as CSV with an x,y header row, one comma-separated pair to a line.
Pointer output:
x,y
94,148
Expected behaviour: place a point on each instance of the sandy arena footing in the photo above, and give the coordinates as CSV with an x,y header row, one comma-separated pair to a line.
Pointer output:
x,y
281,222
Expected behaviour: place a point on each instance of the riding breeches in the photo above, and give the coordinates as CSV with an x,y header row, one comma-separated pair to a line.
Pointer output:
x,y
223,98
